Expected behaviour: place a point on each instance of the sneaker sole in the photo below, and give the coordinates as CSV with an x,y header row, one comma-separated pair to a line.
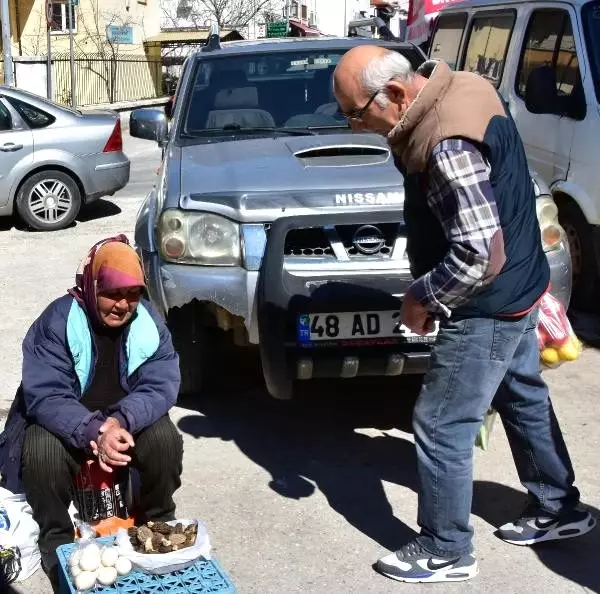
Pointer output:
x,y
563,533
461,574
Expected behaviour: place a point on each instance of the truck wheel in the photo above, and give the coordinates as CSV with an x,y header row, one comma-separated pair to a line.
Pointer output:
x,y
192,364
581,246
49,200
192,343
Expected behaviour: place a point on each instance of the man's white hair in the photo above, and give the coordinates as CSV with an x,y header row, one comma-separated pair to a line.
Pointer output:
x,y
390,66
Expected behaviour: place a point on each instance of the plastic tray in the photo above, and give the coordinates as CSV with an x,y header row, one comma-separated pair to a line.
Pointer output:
x,y
204,577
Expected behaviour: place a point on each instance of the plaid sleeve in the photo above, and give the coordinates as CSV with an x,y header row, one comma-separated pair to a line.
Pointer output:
x,y
461,197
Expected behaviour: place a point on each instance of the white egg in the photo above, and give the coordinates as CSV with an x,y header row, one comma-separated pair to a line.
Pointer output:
x,y
75,557
109,556
85,581
90,559
107,576
123,566
75,570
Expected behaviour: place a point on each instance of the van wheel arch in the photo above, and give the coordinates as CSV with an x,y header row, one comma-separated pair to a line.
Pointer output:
x,y
580,235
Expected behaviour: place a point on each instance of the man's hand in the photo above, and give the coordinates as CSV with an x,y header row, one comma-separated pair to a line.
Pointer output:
x,y
112,442
415,317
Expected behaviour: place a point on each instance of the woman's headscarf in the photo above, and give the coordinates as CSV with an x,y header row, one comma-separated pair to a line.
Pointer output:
x,y
110,264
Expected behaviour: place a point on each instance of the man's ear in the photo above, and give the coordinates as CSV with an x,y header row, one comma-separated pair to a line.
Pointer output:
x,y
396,92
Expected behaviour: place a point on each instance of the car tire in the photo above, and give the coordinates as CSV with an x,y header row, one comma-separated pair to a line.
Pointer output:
x,y
49,200
583,255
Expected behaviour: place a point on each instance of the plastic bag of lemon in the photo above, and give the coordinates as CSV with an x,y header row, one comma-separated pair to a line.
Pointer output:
x,y
556,339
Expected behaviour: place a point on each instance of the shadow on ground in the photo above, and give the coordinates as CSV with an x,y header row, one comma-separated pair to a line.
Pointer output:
x,y
313,439
11,222
99,209
575,560
316,438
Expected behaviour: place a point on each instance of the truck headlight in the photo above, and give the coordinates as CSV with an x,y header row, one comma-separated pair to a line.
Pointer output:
x,y
199,238
547,214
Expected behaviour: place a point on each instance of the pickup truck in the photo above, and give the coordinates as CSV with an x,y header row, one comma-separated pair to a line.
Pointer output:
x,y
273,224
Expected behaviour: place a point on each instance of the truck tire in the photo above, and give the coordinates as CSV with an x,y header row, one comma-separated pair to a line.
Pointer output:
x,y
583,253
192,365
49,200
192,343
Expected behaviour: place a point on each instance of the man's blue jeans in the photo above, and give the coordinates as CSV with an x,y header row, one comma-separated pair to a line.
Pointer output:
x,y
477,362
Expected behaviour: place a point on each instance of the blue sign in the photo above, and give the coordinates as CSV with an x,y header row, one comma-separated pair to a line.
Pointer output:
x,y
116,34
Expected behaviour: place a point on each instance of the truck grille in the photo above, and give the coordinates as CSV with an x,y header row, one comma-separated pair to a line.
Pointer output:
x,y
307,242
358,241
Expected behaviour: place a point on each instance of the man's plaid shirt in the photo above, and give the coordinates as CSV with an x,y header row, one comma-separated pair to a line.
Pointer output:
x,y
460,195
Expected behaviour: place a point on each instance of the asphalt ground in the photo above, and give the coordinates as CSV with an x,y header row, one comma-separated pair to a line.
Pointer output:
x,y
303,497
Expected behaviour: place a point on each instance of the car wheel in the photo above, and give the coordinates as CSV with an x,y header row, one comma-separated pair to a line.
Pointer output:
x,y
49,200
581,246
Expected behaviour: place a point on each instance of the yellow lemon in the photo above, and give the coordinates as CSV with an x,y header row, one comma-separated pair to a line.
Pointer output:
x,y
569,351
550,356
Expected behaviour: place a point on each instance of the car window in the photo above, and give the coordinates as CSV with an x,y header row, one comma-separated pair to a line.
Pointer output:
x,y
35,118
5,118
245,92
447,37
549,41
489,37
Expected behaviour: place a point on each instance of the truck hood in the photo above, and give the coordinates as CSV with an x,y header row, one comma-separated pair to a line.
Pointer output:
x,y
259,179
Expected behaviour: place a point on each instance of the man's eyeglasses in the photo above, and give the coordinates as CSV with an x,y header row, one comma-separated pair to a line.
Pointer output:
x,y
357,114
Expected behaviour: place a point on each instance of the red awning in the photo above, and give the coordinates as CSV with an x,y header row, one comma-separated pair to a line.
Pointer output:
x,y
308,31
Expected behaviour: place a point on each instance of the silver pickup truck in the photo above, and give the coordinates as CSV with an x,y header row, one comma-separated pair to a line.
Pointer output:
x,y
274,223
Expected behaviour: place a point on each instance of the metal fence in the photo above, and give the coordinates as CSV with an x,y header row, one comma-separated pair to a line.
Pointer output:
x,y
107,79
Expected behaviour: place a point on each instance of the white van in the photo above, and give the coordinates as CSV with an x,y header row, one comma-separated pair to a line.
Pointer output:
x,y
544,59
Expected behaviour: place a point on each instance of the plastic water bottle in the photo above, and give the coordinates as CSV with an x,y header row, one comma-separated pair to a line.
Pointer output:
x,y
4,519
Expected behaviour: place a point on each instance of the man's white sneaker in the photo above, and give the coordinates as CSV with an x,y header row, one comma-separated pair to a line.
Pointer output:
x,y
412,563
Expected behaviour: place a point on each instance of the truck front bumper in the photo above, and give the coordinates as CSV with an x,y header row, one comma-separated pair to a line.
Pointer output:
x,y
269,301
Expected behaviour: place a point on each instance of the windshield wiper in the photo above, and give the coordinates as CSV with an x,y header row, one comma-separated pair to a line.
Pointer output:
x,y
330,127
236,129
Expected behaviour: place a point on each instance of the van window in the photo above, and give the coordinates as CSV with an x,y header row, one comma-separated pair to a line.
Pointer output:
x,y
488,44
447,37
591,27
549,41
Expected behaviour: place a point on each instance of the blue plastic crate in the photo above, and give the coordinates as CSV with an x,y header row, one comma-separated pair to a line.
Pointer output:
x,y
204,577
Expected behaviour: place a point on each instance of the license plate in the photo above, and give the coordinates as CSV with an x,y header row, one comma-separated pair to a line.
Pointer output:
x,y
364,325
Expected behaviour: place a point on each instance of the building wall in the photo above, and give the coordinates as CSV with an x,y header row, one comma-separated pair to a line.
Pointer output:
x,y
92,18
333,16
100,77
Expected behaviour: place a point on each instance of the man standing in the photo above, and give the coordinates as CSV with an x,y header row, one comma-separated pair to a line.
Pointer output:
x,y
475,250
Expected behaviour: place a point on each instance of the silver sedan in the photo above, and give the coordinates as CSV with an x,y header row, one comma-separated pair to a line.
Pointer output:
x,y
53,160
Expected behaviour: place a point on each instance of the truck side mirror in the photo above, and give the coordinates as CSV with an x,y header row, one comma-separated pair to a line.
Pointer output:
x,y
540,91
149,124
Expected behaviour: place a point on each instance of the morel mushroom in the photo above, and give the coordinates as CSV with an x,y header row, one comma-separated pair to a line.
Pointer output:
x,y
160,527
178,540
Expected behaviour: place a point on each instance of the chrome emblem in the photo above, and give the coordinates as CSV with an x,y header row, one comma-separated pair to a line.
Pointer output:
x,y
368,240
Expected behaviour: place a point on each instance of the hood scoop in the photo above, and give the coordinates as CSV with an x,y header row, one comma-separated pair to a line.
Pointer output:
x,y
344,155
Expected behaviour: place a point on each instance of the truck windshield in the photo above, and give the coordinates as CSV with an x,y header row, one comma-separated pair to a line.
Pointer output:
x,y
284,91
590,13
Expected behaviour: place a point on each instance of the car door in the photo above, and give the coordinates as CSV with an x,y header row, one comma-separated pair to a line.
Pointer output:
x,y
16,149
549,41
